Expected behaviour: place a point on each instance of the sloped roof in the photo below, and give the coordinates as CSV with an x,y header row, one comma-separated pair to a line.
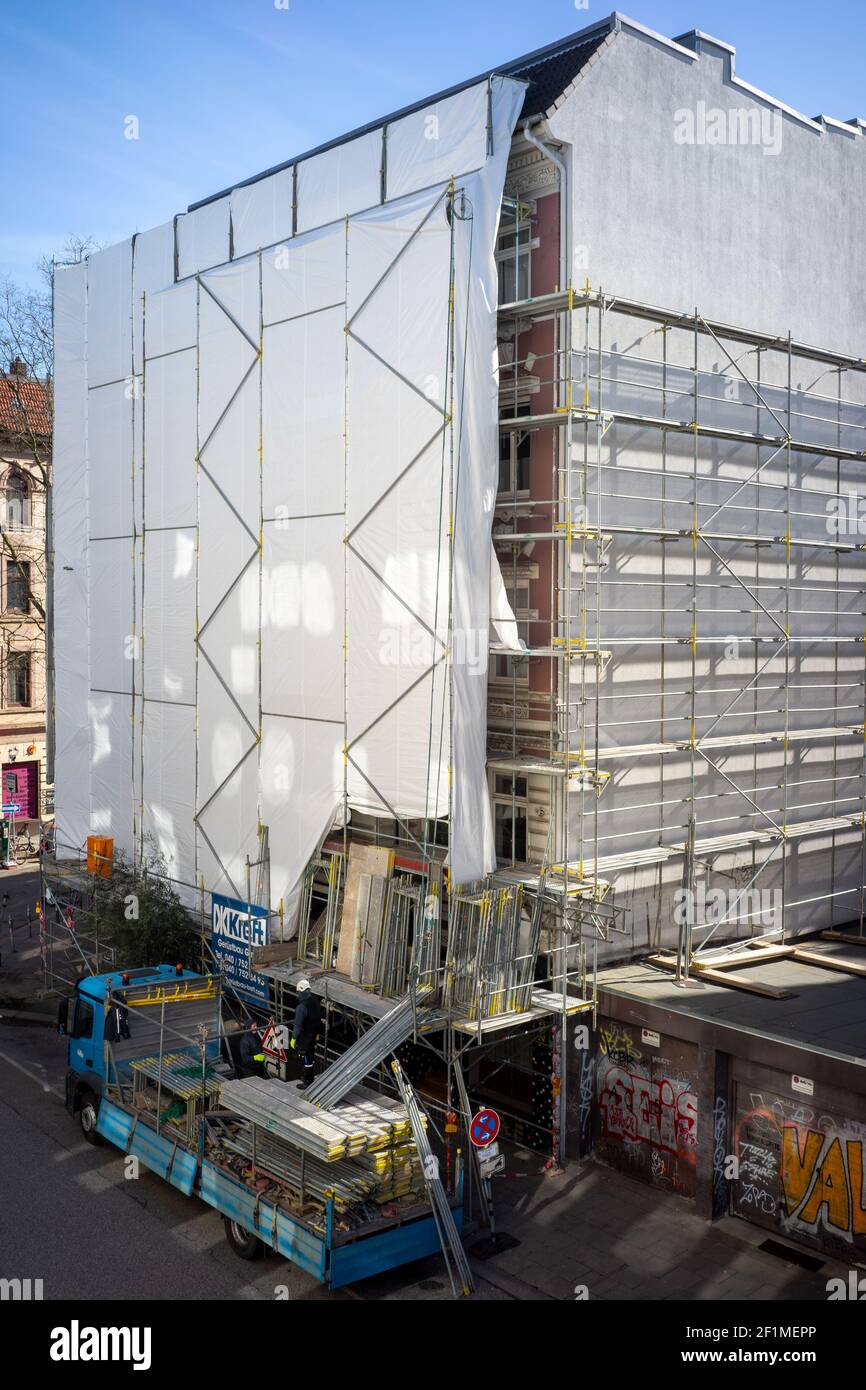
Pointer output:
x,y
548,71
24,407
548,76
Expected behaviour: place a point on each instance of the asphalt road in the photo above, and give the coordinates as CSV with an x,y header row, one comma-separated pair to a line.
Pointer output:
x,y
70,1218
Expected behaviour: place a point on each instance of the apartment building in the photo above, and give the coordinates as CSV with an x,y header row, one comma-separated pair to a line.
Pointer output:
x,y
25,438
471,512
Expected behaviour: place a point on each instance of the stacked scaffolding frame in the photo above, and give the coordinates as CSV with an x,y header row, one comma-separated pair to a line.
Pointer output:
x,y
591,516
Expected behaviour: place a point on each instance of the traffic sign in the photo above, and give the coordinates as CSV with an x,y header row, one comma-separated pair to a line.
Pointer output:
x,y
275,1041
491,1161
12,809
484,1128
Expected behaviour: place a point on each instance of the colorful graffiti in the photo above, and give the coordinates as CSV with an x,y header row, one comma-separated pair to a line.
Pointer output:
x,y
636,1109
720,1153
802,1171
615,1042
645,1119
823,1181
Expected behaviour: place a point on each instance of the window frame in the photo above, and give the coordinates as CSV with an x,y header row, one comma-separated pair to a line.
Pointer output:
x,y
505,260
513,442
27,664
15,475
14,576
504,671
513,803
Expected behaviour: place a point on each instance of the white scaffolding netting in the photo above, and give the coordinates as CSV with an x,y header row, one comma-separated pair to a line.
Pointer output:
x,y
275,473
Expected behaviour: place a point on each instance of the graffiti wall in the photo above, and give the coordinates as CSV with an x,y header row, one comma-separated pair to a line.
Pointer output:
x,y
646,1106
802,1169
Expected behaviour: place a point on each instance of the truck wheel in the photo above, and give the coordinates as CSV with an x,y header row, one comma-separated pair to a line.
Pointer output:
x,y
88,1109
242,1241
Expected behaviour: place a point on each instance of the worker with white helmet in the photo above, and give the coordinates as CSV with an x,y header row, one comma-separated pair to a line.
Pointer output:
x,y
308,1016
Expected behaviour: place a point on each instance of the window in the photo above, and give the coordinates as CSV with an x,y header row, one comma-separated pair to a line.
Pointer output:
x,y
513,262
82,1026
437,833
507,667
17,503
510,808
17,586
18,678
514,456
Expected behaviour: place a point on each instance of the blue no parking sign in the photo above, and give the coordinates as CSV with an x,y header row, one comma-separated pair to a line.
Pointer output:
x,y
484,1128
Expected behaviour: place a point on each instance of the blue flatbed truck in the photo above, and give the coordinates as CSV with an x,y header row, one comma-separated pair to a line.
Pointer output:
x,y
170,1010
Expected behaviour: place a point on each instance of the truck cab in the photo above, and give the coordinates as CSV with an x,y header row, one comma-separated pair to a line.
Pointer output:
x,y
81,1020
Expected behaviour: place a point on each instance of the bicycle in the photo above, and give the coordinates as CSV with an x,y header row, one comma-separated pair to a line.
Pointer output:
x,y
24,846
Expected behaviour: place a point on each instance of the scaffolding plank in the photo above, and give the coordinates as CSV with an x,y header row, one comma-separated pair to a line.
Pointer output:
x,y
721,977
748,954
363,859
845,967
552,1002
848,937
651,750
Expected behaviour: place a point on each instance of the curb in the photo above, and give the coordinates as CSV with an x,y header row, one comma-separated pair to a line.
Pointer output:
x,y
508,1283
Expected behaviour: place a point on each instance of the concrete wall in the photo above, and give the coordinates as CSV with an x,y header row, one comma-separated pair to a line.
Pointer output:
x,y
768,234
725,1118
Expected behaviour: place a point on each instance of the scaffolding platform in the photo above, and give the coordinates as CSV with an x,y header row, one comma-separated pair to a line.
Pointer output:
x,y
331,986
545,1003
716,844
720,741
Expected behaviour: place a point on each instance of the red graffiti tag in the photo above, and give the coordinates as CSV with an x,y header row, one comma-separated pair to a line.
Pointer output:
x,y
663,1114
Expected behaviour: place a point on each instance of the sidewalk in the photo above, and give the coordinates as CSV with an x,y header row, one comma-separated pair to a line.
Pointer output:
x,y
592,1226
21,979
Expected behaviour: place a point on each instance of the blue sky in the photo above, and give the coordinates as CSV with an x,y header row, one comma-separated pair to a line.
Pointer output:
x,y
224,88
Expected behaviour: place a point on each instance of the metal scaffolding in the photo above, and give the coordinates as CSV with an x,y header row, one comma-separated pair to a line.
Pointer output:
x,y
647,452
664,552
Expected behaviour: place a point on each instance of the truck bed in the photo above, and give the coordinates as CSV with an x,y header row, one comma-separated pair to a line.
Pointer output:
x,y
334,1258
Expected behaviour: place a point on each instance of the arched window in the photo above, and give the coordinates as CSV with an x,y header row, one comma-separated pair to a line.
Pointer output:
x,y
17,502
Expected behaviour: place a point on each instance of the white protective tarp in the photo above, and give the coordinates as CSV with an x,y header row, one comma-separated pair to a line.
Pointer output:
x,y
471,836
111,460
451,136
262,212
304,275
340,181
294,608
112,798
152,269
71,621
203,237
109,315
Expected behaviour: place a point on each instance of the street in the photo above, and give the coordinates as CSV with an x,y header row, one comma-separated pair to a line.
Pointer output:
x,y
71,1218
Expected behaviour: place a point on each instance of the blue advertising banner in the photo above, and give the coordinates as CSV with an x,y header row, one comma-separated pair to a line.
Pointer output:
x,y
235,927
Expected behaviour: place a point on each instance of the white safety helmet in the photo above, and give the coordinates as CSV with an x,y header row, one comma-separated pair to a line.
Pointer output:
x,y
302,985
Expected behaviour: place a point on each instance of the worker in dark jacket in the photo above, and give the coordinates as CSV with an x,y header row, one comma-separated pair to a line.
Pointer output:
x,y
252,1057
117,1020
308,1016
